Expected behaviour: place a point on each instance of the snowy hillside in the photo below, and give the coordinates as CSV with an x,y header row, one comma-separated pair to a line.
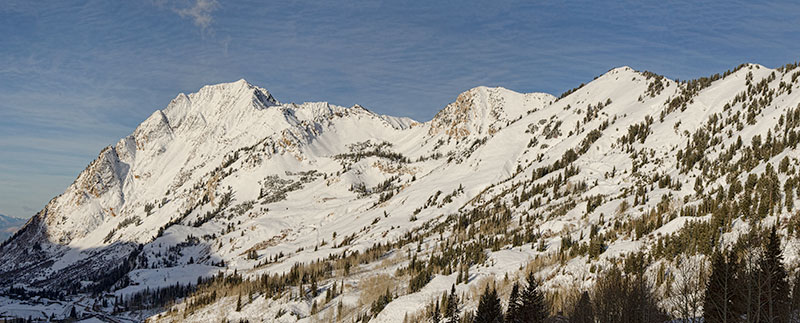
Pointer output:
x,y
228,204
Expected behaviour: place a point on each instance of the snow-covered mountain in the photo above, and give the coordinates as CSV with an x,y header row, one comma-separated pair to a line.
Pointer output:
x,y
328,200
9,225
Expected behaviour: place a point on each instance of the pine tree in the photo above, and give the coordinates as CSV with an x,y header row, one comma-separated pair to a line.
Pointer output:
x,y
750,277
239,303
722,303
314,287
619,298
642,304
443,301
489,309
452,313
436,317
514,305
582,313
533,308
775,287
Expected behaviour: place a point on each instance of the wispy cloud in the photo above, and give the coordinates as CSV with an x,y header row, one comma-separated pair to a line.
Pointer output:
x,y
200,12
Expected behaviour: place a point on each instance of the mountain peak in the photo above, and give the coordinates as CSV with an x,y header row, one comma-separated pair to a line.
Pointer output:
x,y
239,88
484,110
623,68
218,101
619,71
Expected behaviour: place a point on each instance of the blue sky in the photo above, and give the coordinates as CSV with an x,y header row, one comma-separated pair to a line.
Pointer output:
x,y
77,76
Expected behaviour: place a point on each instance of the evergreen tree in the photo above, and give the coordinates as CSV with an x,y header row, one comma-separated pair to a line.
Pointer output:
x,y
443,302
489,309
750,277
314,287
436,317
239,303
582,313
722,300
642,303
619,298
452,313
514,306
775,287
533,307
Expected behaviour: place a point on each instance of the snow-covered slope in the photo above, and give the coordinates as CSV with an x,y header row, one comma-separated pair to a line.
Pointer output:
x,y
229,180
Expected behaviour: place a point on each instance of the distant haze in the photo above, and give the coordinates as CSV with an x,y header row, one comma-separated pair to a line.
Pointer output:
x,y
8,226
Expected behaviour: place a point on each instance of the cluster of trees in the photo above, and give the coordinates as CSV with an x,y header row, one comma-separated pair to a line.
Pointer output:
x,y
655,87
618,297
222,203
637,132
526,305
366,149
592,112
152,297
448,309
713,133
751,285
748,283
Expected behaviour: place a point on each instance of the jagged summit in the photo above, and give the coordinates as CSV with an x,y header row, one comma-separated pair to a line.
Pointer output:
x,y
240,87
223,98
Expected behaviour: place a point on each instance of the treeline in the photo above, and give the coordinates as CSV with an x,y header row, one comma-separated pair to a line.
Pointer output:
x,y
150,298
619,295
748,283
751,284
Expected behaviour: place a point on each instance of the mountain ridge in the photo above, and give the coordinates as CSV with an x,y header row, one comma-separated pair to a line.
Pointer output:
x,y
229,180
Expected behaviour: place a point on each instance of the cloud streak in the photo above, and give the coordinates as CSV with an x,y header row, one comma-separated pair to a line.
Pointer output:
x,y
200,12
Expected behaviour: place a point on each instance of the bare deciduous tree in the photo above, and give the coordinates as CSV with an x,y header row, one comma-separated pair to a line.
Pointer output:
x,y
685,297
